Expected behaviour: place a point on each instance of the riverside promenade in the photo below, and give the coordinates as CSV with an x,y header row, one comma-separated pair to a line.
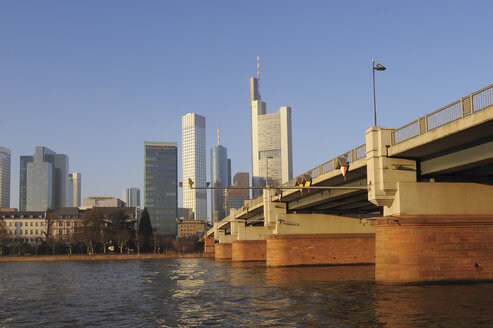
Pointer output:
x,y
98,257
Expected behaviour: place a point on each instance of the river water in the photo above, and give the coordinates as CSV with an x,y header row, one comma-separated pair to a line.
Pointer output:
x,y
203,292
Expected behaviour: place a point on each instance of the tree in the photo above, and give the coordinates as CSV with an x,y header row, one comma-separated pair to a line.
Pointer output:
x,y
90,229
121,228
4,237
145,229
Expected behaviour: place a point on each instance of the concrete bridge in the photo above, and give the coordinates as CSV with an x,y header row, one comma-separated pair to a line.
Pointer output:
x,y
416,201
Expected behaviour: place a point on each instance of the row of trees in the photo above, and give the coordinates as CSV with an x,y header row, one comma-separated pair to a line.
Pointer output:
x,y
97,231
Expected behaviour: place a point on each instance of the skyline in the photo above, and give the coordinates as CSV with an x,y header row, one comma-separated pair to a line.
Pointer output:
x,y
89,76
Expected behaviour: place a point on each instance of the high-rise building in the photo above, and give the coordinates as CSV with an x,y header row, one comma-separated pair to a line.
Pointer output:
x,y
131,197
271,142
236,198
4,177
220,177
45,178
74,189
24,160
194,164
161,185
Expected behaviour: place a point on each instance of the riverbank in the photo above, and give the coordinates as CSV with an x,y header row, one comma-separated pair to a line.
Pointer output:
x,y
99,257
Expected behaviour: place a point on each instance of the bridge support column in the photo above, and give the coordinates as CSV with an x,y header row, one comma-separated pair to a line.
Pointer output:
x,y
320,249
248,250
318,239
424,248
436,232
223,251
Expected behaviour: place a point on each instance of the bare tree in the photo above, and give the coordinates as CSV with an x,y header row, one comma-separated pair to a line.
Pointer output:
x,y
4,237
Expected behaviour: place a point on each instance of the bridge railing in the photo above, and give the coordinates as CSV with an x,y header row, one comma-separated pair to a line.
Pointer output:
x,y
350,156
464,107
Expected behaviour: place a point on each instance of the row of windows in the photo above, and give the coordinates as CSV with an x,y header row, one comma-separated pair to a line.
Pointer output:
x,y
162,212
167,187
160,153
26,224
161,159
159,169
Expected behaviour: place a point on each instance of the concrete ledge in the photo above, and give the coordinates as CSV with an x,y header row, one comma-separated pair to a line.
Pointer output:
x,y
434,249
320,249
249,250
222,251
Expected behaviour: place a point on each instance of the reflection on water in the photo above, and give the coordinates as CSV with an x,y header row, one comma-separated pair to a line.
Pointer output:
x,y
201,292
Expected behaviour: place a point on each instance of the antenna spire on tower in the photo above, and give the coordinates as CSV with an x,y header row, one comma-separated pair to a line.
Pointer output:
x,y
218,135
258,67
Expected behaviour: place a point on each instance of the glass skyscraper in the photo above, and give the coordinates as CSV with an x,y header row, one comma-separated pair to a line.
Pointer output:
x,y
194,164
161,185
220,177
43,180
131,197
4,177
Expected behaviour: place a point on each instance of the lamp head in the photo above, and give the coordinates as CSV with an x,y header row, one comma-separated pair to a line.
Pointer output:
x,y
380,67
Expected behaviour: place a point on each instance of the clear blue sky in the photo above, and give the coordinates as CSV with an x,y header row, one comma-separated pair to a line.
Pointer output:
x,y
94,79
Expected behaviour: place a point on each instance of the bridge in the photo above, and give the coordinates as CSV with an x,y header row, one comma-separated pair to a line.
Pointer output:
x,y
416,201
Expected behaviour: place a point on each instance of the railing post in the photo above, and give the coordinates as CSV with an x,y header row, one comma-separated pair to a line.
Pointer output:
x,y
462,107
472,104
426,123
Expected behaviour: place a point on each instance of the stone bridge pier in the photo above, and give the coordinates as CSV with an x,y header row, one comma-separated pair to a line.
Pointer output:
x,y
430,231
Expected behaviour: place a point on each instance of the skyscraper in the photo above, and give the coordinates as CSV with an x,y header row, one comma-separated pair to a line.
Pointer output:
x,y
24,160
161,185
43,180
194,164
271,142
235,198
74,189
4,177
220,177
131,196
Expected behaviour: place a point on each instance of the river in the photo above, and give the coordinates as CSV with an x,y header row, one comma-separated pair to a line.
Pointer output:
x,y
204,292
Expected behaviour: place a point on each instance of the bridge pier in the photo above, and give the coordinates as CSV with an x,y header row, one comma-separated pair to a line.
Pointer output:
x,y
431,231
319,239
431,248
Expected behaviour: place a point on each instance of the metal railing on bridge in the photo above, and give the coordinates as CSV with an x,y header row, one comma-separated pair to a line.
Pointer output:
x,y
464,107
350,156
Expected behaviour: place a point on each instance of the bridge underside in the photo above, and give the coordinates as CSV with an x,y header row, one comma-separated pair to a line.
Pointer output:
x,y
350,203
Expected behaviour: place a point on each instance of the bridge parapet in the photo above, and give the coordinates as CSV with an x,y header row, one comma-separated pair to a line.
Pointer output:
x,y
464,107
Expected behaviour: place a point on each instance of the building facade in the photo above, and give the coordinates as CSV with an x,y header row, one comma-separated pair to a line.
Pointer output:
x,y
191,228
74,188
220,177
43,180
236,198
161,185
194,164
131,197
102,201
4,177
271,143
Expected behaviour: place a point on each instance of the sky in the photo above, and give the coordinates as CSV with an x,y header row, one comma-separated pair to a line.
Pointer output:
x,y
95,79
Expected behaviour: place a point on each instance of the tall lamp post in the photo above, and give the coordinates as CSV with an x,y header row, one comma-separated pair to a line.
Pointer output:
x,y
379,67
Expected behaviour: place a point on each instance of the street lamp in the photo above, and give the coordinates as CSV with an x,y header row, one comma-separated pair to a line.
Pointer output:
x,y
379,67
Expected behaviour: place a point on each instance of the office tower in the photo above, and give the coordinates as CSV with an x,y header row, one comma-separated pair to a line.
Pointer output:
x,y
271,142
131,196
4,177
74,189
235,198
161,185
193,164
46,177
220,167
23,181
